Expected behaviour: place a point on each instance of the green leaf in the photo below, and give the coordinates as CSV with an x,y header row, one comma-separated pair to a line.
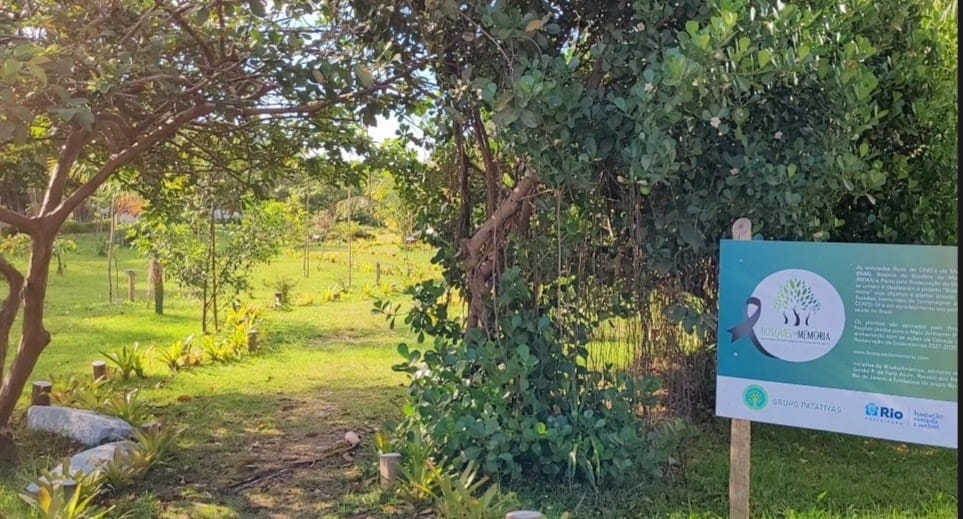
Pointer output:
x,y
450,9
692,27
11,68
364,76
690,235
529,118
22,113
37,72
257,7
84,118
765,57
501,102
24,51
506,116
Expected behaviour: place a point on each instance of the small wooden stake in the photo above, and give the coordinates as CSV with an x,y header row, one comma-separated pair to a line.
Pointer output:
x,y
389,463
41,393
740,438
524,514
151,428
131,274
100,369
157,285
378,273
252,341
69,487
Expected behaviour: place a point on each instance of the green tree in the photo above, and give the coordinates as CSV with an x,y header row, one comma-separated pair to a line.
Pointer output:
x,y
112,90
603,149
212,252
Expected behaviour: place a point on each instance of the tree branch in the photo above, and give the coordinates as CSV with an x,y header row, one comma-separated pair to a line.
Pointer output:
x,y
205,48
505,210
314,107
119,159
491,166
61,173
20,222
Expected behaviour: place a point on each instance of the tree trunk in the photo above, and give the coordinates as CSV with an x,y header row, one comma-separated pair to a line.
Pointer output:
x,y
482,249
350,237
10,308
213,231
110,254
35,337
306,264
157,285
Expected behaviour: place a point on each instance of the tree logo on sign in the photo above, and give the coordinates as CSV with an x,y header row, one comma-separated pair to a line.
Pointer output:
x,y
779,316
797,302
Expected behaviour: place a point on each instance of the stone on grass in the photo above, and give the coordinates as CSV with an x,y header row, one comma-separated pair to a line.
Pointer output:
x,y
86,427
352,438
89,461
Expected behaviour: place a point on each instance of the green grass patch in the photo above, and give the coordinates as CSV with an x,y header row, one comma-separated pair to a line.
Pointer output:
x,y
326,370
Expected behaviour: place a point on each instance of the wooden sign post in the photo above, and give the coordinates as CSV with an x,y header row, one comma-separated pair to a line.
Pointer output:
x,y
739,441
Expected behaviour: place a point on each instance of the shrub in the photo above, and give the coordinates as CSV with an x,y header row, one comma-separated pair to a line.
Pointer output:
x,y
82,392
75,227
53,502
218,349
465,496
283,285
129,360
180,354
126,406
520,402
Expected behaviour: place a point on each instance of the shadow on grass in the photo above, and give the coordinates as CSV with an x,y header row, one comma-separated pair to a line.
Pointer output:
x,y
234,436
795,473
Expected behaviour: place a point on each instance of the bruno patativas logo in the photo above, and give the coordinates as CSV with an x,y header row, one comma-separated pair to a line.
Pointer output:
x,y
793,315
755,397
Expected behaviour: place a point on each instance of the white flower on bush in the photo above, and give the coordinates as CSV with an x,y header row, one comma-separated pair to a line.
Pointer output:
x,y
649,88
422,371
777,136
715,122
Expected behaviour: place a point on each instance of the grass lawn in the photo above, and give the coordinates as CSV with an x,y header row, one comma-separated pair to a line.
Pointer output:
x,y
326,371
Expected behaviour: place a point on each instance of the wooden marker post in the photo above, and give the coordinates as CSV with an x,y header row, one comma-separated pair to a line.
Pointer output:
x,y
100,369
131,293
739,441
389,464
41,393
524,514
157,285
69,487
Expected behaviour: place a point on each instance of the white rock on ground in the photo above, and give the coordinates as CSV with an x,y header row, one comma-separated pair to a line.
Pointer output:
x,y
352,438
89,461
87,427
